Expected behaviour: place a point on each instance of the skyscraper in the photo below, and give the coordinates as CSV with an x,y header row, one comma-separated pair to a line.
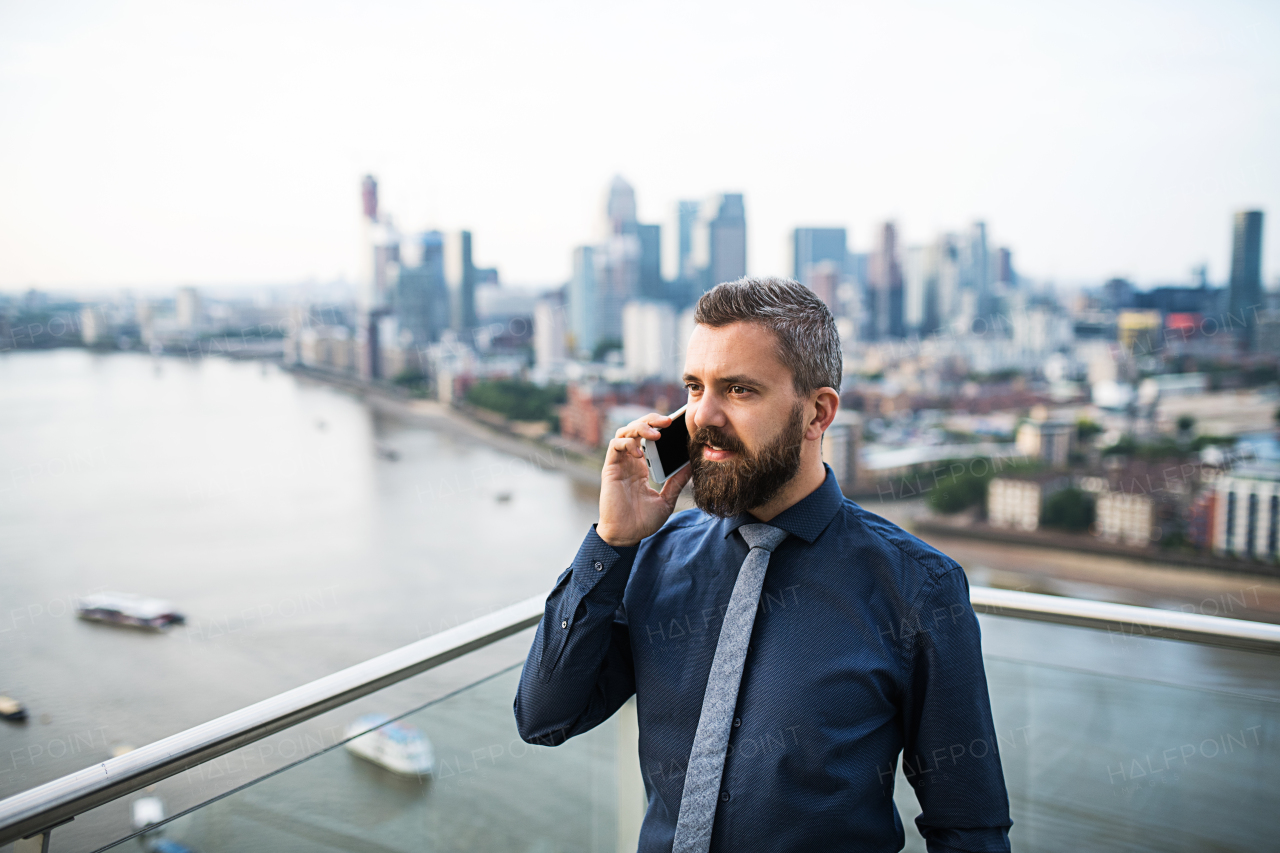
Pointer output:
x,y
620,215
1004,267
824,280
549,333
369,197
422,294
942,303
975,267
378,281
685,285
620,209
885,307
617,280
582,298
687,219
625,265
727,240
467,287
917,281
650,284
811,246
1245,290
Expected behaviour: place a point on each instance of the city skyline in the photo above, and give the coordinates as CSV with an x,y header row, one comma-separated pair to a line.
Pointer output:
x,y
1124,157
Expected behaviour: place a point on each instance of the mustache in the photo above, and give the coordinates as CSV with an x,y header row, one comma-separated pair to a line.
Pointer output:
x,y
716,437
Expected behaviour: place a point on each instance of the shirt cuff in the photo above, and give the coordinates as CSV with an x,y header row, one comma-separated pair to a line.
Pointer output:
x,y
600,564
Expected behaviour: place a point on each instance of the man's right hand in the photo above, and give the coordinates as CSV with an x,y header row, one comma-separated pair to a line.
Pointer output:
x,y
631,509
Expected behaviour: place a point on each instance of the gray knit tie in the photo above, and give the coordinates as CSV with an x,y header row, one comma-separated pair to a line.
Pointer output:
x,y
706,759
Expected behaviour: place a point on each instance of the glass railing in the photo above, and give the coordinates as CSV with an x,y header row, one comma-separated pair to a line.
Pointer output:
x,y
1118,739
1125,729
488,790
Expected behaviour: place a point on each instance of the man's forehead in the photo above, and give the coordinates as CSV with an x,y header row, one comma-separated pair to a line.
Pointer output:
x,y
735,349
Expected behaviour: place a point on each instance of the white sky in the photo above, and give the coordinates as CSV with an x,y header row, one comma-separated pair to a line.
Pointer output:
x,y
156,143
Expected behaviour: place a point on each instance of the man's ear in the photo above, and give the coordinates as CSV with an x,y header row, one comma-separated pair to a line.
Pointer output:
x,y
825,402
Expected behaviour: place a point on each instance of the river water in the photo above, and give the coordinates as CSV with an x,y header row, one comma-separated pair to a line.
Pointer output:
x,y
260,506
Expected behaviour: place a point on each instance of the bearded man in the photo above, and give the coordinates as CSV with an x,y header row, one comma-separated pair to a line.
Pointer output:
x,y
784,645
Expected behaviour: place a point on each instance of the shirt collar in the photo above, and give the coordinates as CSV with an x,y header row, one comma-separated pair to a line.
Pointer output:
x,y
805,519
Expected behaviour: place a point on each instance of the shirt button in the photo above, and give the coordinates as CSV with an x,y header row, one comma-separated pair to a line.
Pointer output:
x,y
724,796
599,566
564,624
737,721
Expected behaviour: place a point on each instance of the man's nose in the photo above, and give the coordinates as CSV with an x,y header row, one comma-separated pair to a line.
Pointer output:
x,y
709,412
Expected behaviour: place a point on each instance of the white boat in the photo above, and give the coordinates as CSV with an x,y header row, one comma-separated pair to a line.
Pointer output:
x,y
12,709
122,608
147,811
399,747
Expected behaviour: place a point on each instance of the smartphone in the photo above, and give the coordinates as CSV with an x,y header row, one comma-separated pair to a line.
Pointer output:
x,y
670,452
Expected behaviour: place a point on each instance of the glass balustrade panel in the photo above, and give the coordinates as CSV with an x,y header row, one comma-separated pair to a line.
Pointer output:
x,y
454,776
1123,741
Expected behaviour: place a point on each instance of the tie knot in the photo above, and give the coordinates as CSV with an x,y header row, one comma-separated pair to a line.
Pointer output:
x,y
764,536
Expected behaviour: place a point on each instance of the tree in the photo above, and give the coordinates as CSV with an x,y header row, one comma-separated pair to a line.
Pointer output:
x,y
515,399
604,347
1086,429
1069,509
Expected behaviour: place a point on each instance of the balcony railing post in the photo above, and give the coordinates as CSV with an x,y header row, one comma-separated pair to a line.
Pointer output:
x,y
34,844
632,802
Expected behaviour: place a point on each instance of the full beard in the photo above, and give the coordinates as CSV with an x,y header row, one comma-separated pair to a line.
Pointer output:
x,y
747,480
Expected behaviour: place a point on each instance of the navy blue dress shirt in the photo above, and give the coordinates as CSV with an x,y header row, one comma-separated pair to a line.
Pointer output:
x,y
865,646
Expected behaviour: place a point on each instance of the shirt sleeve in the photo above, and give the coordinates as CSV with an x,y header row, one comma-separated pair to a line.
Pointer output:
x,y
579,670
950,751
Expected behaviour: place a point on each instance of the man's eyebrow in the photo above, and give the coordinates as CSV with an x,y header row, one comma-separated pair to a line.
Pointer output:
x,y
728,380
741,380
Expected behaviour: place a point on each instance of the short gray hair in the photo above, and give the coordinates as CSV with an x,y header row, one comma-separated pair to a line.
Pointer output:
x,y
808,342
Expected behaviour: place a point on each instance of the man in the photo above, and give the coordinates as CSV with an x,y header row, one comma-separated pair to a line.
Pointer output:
x,y
783,644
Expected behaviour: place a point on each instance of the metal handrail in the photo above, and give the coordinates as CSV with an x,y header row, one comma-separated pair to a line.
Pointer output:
x,y
1129,620
34,811
56,802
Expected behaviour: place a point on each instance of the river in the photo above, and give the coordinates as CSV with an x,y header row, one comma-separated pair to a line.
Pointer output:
x,y
261,507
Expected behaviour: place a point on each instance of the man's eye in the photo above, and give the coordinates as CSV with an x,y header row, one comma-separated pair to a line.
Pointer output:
x,y
738,389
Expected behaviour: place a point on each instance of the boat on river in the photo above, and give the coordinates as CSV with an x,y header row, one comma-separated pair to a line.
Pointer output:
x,y
148,815
134,611
398,747
12,710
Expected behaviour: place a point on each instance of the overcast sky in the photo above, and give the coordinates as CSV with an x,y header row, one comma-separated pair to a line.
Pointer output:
x,y
154,143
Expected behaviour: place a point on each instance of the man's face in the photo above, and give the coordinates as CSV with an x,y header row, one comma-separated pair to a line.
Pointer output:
x,y
746,423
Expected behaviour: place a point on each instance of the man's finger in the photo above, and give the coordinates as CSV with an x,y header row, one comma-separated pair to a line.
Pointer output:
x,y
646,427
627,446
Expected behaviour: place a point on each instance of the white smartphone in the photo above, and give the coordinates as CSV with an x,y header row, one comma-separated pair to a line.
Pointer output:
x,y
669,453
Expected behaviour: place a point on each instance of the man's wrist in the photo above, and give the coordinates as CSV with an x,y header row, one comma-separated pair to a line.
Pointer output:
x,y
614,540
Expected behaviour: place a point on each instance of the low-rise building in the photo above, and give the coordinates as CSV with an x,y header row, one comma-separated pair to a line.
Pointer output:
x,y
1247,517
1200,519
1140,502
1017,501
327,348
585,412
1047,441
1128,519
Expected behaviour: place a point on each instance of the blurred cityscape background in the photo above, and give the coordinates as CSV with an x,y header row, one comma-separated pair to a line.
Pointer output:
x,y
1137,419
